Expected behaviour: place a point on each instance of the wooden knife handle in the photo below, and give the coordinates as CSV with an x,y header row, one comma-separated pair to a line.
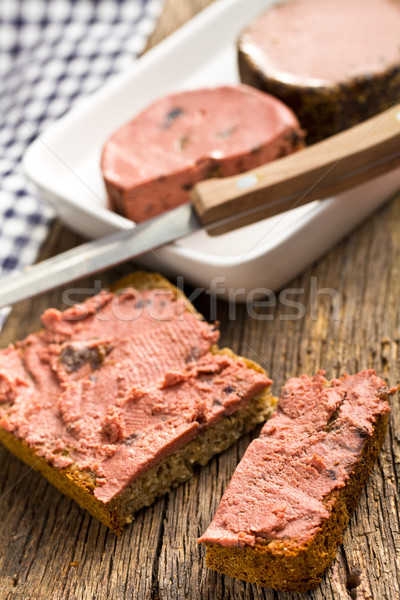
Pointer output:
x,y
319,171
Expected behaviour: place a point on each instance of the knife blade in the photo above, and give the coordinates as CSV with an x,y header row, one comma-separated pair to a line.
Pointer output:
x,y
94,256
220,205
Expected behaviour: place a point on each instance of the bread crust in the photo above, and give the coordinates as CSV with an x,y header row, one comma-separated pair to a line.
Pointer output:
x,y
178,466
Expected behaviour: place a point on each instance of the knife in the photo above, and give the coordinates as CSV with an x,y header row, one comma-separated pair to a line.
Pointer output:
x,y
221,205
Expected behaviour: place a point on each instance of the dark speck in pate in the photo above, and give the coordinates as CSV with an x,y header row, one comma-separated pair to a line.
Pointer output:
x,y
171,116
229,389
76,354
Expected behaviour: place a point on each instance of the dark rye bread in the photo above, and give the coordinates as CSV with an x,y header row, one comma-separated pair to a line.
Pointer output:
x,y
297,564
323,106
170,470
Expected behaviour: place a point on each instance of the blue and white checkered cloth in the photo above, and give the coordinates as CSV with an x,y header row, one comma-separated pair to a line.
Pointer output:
x,y
51,53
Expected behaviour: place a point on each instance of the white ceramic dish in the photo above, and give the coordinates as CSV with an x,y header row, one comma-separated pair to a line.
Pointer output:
x,y
64,164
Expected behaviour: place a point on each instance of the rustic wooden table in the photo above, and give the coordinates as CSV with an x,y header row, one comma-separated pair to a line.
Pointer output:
x,y
51,549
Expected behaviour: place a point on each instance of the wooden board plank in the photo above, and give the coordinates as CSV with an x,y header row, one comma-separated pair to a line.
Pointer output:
x,y
50,548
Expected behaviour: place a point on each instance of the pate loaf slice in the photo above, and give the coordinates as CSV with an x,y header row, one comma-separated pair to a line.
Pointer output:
x,y
150,164
335,63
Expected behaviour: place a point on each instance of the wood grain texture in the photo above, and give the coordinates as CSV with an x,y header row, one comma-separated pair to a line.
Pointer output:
x,y
50,548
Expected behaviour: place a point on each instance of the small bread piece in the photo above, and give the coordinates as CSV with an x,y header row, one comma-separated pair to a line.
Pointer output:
x,y
151,163
335,63
284,512
117,399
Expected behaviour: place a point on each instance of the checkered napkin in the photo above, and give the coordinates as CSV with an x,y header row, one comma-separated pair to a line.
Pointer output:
x,y
51,53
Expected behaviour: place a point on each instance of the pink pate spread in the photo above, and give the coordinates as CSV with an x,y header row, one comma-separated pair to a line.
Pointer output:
x,y
116,383
314,41
151,163
304,452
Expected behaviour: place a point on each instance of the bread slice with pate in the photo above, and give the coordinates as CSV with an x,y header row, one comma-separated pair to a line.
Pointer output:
x,y
117,398
284,512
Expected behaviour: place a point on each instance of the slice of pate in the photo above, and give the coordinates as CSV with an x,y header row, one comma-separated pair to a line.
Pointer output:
x,y
335,63
150,164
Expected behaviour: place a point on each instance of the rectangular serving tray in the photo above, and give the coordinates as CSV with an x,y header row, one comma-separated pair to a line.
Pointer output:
x,y
64,163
